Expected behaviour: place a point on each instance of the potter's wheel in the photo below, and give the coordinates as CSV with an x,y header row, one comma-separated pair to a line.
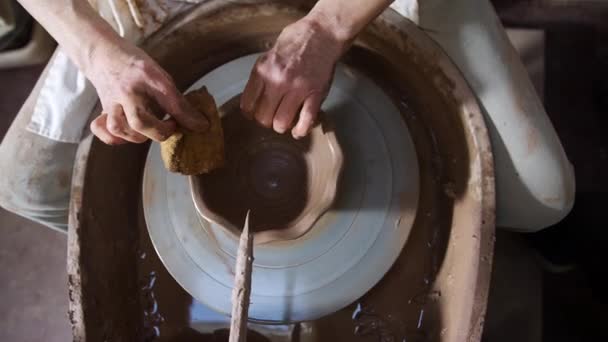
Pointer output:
x,y
350,247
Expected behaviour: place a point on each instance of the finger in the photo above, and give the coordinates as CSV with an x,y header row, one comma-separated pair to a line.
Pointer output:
x,y
251,94
99,129
175,104
308,115
143,122
286,112
117,125
265,110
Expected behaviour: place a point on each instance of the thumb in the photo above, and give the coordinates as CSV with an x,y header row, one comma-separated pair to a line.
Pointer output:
x,y
176,105
308,115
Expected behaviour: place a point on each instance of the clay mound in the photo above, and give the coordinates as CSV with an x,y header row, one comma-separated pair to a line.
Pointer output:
x,y
192,153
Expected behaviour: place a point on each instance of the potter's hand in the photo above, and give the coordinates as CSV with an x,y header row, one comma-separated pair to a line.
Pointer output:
x,y
133,89
293,78
289,83
135,92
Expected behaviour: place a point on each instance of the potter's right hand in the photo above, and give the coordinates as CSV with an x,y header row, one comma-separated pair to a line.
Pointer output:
x,y
135,92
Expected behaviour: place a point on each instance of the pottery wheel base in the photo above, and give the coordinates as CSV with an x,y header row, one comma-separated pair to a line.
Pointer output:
x,y
349,248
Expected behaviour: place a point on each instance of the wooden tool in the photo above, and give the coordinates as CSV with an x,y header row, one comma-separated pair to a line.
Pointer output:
x,y
242,286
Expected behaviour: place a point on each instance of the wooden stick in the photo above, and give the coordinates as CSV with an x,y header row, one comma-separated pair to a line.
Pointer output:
x,y
242,286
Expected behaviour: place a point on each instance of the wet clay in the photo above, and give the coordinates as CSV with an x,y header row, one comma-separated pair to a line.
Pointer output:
x,y
435,291
285,183
265,172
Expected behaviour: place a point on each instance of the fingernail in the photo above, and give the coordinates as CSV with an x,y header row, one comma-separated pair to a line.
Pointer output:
x,y
170,128
200,123
298,133
165,136
280,129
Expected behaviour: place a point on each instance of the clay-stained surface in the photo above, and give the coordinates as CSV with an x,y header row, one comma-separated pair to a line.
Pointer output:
x,y
437,289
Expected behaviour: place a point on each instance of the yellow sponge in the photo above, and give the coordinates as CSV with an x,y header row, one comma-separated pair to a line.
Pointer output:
x,y
191,153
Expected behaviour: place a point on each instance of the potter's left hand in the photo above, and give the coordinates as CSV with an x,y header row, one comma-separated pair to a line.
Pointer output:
x,y
293,77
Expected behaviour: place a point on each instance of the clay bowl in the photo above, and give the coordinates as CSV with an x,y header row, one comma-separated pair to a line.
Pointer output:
x,y
286,183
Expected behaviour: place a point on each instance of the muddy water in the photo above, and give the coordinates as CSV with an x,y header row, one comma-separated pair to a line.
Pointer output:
x,y
399,308
395,310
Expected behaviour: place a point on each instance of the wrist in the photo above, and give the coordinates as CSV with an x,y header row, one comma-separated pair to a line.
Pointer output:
x,y
333,26
97,51
88,39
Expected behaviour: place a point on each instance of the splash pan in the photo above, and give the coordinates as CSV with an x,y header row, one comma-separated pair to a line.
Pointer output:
x,y
408,239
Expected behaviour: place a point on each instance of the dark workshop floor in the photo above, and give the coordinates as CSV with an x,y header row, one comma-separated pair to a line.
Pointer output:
x,y
33,278
32,259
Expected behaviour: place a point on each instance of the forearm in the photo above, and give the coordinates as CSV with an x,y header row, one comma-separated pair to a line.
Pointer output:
x,y
347,18
76,27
